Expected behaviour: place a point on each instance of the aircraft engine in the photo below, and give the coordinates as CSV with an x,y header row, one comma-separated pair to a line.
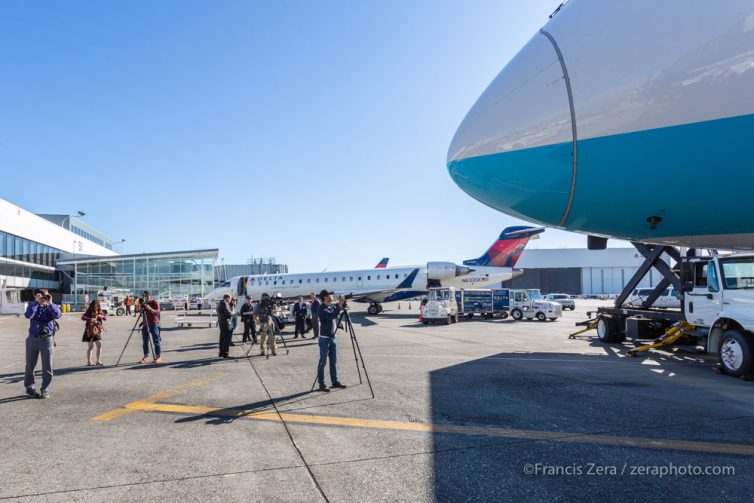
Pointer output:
x,y
445,270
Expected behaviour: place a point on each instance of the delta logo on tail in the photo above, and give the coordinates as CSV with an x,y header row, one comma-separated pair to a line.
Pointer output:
x,y
507,249
382,264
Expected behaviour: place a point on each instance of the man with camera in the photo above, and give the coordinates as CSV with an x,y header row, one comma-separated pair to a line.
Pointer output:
x,y
151,310
328,317
41,314
263,315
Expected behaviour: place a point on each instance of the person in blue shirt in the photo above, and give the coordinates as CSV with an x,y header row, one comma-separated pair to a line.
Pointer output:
x,y
328,319
41,314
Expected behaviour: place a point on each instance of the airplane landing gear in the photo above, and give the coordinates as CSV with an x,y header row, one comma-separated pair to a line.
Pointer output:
x,y
374,308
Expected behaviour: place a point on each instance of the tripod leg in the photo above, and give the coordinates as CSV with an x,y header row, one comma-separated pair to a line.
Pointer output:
x,y
356,343
127,341
282,339
353,346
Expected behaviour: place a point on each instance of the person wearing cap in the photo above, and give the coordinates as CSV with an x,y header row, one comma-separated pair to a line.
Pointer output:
x,y
328,319
152,312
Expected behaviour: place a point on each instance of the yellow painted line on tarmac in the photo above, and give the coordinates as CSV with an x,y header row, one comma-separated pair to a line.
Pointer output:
x,y
140,405
378,424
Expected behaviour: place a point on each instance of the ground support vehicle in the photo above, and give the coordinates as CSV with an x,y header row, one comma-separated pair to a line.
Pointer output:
x,y
522,305
716,313
447,305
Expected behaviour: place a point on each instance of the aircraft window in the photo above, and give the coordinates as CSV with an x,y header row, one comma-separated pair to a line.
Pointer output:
x,y
284,282
308,280
334,280
343,278
405,275
396,276
300,281
359,278
369,278
325,280
350,278
317,281
378,276
274,282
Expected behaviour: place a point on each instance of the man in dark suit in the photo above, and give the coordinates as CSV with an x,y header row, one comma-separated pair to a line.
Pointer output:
x,y
299,314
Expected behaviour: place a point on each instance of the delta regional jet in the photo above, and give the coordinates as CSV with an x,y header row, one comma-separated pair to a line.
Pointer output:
x,y
390,284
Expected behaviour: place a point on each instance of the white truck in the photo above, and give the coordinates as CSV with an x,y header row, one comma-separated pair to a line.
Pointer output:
x,y
447,305
717,303
522,305
10,302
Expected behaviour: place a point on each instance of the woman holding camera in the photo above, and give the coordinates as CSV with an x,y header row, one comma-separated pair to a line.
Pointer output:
x,y
94,318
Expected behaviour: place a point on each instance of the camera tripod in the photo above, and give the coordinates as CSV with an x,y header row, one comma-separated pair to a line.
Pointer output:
x,y
274,334
345,318
143,319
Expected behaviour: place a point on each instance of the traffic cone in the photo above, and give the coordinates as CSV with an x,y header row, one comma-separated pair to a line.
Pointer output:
x,y
420,315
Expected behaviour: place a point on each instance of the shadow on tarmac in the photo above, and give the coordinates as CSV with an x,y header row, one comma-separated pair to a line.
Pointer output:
x,y
230,414
15,399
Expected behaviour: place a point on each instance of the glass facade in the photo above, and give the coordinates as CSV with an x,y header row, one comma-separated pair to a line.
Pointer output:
x,y
165,275
24,250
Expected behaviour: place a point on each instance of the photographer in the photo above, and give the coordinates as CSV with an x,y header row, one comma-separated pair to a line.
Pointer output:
x,y
151,310
224,316
328,317
263,315
42,314
247,317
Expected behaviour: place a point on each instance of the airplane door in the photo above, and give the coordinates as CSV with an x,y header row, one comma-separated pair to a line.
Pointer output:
x,y
704,301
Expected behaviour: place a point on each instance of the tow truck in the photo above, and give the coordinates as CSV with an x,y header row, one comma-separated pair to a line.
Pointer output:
x,y
716,312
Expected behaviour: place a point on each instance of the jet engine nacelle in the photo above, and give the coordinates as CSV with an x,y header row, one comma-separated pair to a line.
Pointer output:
x,y
445,270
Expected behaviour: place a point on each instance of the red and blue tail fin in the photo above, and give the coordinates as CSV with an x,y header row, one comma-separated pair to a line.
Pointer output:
x,y
382,264
507,249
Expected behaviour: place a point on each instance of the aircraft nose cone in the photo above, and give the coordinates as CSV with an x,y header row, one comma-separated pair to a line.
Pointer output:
x,y
513,151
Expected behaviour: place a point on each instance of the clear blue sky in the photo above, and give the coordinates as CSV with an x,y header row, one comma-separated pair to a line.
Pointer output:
x,y
313,131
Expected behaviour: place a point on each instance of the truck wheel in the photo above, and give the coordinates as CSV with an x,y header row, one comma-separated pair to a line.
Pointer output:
x,y
735,353
541,316
120,311
454,319
606,329
517,314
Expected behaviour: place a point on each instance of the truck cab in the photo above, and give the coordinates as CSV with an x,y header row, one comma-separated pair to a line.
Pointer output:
x,y
719,299
440,306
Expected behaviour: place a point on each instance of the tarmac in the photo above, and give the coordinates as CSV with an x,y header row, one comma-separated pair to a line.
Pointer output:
x,y
483,410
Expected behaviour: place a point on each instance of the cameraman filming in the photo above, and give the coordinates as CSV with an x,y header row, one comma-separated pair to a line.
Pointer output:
x,y
42,314
263,315
152,312
328,317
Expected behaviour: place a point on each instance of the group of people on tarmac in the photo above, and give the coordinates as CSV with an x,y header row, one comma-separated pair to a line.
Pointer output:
x,y
318,315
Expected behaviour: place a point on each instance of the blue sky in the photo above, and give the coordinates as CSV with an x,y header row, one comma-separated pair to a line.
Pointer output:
x,y
313,132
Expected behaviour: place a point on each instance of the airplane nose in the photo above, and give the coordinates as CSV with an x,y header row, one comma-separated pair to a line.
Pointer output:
x,y
514,149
